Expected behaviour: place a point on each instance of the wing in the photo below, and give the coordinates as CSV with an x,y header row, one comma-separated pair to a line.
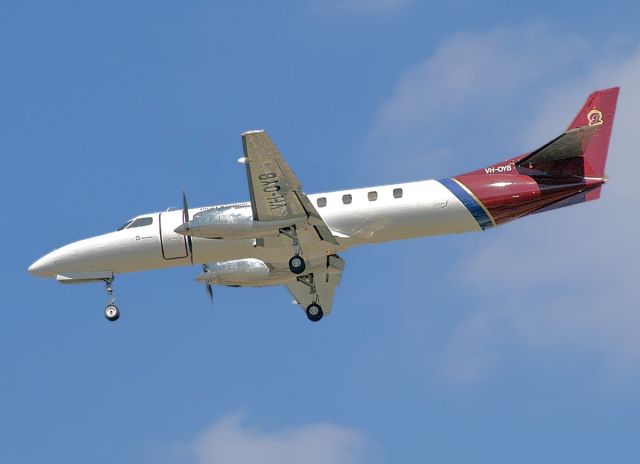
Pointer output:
x,y
325,281
276,193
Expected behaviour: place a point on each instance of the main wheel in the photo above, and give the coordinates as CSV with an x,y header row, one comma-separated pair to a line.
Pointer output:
x,y
112,312
314,312
297,265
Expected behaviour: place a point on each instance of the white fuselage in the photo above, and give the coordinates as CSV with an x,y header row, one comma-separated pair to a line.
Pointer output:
x,y
424,208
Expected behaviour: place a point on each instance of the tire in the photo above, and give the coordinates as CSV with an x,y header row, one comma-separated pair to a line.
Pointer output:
x,y
111,312
297,264
314,312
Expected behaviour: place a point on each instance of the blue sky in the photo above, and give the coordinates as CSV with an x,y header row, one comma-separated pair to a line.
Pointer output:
x,y
514,345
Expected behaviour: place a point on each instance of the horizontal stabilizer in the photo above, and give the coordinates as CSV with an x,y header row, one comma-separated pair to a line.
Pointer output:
x,y
581,151
566,171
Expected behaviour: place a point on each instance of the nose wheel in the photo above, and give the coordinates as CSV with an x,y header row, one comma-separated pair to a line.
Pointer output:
x,y
111,312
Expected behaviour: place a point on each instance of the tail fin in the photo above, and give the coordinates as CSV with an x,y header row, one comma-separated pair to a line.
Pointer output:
x,y
598,112
581,151
566,171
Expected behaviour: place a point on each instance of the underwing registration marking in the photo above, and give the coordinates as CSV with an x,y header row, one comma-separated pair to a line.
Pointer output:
x,y
270,185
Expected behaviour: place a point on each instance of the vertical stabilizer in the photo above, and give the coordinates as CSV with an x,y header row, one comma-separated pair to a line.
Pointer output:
x,y
597,113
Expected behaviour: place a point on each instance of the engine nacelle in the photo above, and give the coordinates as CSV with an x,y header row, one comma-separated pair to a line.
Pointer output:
x,y
238,272
230,222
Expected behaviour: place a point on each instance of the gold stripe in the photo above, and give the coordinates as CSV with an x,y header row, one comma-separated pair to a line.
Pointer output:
x,y
493,221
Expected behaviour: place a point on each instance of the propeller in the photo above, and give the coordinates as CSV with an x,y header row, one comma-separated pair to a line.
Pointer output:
x,y
205,268
185,216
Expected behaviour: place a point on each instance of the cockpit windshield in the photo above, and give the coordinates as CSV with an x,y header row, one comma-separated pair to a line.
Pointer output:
x,y
124,226
143,221
130,224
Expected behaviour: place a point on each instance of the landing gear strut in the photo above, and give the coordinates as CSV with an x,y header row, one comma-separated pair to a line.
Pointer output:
x,y
314,310
111,312
296,263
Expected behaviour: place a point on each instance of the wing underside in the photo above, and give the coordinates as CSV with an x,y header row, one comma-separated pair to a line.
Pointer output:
x,y
325,281
276,193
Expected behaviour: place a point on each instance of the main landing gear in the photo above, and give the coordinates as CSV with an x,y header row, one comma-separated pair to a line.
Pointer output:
x,y
111,312
298,266
314,310
296,263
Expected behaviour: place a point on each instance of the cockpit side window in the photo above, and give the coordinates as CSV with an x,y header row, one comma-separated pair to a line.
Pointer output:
x,y
140,222
124,226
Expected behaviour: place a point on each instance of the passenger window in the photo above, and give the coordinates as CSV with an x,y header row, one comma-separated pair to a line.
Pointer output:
x,y
140,222
397,193
322,202
346,199
373,196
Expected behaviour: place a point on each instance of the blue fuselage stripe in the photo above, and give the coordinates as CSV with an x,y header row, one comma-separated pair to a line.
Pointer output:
x,y
476,210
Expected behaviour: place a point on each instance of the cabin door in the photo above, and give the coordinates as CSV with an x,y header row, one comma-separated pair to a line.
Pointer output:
x,y
172,245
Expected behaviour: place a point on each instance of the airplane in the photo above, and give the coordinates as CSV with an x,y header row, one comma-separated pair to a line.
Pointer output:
x,y
283,236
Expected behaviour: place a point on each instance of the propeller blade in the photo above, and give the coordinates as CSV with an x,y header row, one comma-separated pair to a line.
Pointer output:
x,y
190,245
205,268
185,207
185,217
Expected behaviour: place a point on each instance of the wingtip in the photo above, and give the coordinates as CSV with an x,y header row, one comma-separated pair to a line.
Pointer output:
x,y
255,131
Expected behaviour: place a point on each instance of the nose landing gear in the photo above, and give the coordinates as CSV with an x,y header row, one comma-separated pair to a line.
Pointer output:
x,y
111,312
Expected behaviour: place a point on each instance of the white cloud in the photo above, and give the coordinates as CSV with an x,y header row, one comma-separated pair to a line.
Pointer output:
x,y
474,82
230,441
563,285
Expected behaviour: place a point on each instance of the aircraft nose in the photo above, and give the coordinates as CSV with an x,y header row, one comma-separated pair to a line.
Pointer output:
x,y
43,267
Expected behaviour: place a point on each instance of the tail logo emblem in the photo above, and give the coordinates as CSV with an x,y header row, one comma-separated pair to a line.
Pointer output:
x,y
595,118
